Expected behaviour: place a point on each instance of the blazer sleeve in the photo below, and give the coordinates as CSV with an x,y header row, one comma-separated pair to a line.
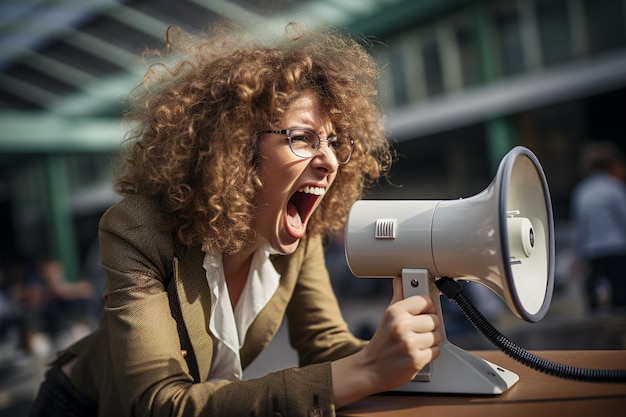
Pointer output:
x,y
149,372
317,329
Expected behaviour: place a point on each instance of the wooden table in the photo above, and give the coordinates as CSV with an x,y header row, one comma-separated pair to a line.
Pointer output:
x,y
535,394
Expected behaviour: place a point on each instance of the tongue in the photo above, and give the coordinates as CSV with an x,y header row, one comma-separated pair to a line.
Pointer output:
x,y
293,220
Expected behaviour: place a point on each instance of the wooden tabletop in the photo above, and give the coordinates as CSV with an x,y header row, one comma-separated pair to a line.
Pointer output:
x,y
535,394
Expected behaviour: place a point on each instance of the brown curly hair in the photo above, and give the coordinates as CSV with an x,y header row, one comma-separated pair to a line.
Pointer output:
x,y
199,110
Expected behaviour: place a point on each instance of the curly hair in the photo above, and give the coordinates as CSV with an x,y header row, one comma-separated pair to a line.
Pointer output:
x,y
197,115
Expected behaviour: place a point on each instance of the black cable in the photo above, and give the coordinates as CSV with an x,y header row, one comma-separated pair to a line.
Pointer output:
x,y
451,289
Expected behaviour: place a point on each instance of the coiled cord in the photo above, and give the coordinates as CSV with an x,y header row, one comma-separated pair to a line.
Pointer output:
x,y
451,289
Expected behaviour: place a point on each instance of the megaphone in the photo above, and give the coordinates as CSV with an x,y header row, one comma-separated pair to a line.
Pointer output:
x,y
503,238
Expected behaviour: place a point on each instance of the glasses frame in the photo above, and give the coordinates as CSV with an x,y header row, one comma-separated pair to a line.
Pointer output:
x,y
316,146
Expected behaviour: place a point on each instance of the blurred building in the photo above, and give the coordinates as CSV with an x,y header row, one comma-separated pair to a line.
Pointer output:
x,y
462,82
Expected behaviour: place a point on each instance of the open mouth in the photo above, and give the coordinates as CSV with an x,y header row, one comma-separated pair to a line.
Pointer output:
x,y
299,209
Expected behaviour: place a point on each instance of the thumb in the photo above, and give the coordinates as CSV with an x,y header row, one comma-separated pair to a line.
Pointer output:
x,y
398,293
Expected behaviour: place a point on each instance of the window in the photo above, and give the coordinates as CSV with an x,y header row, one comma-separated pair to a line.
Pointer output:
x,y
554,30
507,24
433,70
398,77
468,54
605,24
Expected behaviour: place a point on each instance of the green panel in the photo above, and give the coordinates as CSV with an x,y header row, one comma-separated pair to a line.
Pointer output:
x,y
483,28
23,133
402,15
59,219
501,138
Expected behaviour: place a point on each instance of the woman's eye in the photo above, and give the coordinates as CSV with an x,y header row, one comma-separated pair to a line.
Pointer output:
x,y
335,142
299,138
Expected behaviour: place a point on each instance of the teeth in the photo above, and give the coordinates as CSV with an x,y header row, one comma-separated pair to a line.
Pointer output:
x,y
313,190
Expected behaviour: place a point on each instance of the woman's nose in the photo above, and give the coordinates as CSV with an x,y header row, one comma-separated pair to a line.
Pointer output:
x,y
325,158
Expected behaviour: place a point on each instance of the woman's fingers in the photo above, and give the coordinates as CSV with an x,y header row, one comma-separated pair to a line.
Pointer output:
x,y
406,340
426,340
398,293
415,305
423,323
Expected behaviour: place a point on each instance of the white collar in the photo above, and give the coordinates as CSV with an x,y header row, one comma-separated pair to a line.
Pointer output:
x,y
227,326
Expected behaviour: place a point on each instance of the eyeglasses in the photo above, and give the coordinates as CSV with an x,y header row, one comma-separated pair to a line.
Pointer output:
x,y
305,143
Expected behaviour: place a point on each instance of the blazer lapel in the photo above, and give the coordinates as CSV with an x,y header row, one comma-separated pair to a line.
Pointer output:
x,y
269,319
195,304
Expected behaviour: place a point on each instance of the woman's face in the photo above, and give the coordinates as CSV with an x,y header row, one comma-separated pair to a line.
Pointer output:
x,y
293,187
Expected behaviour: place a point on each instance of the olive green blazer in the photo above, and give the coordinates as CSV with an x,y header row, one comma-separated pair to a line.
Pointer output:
x,y
152,352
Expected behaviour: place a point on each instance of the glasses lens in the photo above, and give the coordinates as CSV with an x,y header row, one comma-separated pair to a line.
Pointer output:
x,y
342,147
303,143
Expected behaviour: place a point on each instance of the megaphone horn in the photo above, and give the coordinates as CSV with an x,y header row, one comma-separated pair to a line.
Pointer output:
x,y
502,237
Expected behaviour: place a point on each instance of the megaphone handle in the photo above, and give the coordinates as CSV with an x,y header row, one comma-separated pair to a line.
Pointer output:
x,y
417,281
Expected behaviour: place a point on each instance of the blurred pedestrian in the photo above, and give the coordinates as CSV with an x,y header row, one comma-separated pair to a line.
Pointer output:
x,y
598,210
20,304
64,303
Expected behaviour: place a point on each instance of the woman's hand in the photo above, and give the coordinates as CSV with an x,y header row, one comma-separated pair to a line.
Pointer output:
x,y
406,340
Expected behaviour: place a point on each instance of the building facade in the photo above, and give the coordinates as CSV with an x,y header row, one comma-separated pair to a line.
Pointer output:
x,y
462,82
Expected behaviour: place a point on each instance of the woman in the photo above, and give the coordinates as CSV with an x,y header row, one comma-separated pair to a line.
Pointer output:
x,y
242,158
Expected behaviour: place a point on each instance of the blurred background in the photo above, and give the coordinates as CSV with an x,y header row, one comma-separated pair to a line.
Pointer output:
x,y
462,82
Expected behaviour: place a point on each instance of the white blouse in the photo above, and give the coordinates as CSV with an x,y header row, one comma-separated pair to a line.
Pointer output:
x,y
229,326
